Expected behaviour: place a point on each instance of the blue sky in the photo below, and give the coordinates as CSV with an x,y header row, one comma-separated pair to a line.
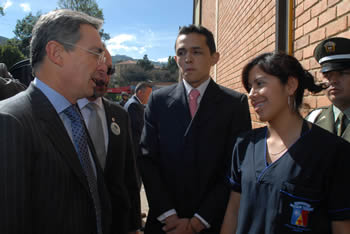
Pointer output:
x,y
136,27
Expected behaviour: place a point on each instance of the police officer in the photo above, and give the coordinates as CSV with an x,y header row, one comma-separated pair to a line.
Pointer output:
x,y
334,57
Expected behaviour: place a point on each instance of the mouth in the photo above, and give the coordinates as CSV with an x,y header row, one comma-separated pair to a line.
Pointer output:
x,y
189,70
98,82
258,106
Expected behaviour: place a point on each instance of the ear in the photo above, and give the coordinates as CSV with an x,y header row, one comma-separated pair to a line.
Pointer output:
x,y
54,52
292,85
215,58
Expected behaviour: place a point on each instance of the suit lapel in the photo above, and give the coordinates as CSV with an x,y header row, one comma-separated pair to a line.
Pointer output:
x,y
326,119
208,103
54,129
178,105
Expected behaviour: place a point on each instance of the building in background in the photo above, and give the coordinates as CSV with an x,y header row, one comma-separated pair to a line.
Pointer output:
x,y
245,29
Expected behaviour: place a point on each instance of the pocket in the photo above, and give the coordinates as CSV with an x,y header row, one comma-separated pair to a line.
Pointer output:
x,y
300,210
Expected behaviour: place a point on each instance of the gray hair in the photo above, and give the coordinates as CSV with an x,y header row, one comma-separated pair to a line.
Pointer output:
x,y
59,25
142,86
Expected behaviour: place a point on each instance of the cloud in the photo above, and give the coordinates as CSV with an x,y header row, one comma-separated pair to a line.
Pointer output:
x,y
163,60
126,43
7,4
25,7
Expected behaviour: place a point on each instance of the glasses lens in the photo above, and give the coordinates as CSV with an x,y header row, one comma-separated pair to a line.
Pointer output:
x,y
102,58
110,71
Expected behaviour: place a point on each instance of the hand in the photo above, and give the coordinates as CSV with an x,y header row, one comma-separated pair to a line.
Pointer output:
x,y
135,232
183,226
196,225
170,222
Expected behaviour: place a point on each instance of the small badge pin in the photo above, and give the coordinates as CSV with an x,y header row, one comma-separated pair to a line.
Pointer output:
x,y
115,128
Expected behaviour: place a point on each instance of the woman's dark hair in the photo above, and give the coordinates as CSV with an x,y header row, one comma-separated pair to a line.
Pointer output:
x,y
283,66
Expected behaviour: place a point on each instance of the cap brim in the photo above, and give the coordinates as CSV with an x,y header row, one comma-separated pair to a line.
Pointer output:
x,y
328,67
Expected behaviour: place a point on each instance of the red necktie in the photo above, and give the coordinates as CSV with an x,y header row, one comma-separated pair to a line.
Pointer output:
x,y
194,94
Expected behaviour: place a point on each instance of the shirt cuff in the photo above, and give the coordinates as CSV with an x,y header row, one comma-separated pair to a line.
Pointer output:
x,y
165,215
205,223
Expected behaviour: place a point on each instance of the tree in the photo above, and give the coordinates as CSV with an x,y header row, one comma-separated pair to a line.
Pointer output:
x,y
145,63
1,11
172,65
10,55
89,7
23,32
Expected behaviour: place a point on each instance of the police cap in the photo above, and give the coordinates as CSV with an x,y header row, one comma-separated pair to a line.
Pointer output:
x,y
333,54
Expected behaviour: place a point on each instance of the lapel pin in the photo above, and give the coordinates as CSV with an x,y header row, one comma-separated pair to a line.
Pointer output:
x,y
115,128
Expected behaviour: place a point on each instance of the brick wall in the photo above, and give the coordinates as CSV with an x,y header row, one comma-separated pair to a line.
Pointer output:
x,y
247,28
316,20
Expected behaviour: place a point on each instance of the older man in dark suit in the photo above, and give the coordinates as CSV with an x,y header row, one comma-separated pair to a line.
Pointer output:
x,y
109,127
190,129
50,179
135,106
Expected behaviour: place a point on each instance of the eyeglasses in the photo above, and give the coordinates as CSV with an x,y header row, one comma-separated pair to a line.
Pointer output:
x,y
101,56
110,71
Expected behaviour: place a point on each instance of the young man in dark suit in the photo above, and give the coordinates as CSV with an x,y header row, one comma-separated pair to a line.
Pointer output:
x,y
187,141
50,179
112,133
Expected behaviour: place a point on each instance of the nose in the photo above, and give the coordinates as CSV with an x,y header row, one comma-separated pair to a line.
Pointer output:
x,y
188,58
332,77
251,93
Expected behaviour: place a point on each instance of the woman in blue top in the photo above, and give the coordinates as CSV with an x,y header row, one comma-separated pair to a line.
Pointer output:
x,y
290,176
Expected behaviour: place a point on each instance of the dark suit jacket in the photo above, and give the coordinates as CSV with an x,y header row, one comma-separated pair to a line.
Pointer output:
x,y
43,186
136,111
184,163
120,171
326,120
10,87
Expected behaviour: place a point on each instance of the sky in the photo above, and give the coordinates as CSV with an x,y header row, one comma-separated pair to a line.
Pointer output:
x,y
136,27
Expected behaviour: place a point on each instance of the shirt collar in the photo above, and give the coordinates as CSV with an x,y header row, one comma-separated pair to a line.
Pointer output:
x,y
138,99
59,102
336,112
201,88
84,101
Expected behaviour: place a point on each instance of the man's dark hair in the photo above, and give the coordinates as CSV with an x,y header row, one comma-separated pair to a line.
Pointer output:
x,y
142,86
185,30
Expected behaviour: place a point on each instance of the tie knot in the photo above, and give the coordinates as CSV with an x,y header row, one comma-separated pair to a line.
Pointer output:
x,y
194,94
72,113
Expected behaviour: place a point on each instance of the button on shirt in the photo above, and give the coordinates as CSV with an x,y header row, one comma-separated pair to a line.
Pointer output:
x,y
60,103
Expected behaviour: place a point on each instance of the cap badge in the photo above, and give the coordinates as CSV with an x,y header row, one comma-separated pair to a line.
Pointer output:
x,y
329,47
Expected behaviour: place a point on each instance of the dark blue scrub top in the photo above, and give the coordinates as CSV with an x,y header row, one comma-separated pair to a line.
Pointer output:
x,y
301,192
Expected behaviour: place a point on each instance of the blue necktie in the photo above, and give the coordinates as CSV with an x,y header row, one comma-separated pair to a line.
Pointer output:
x,y
81,146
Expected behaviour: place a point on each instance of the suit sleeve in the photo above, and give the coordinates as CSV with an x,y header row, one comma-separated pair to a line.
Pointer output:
x,y
157,195
136,116
132,183
15,159
214,205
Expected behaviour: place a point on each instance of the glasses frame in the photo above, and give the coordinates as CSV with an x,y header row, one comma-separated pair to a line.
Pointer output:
x,y
101,56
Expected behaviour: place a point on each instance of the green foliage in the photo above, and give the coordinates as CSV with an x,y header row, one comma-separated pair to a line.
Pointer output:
x,y
172,65
23,31
145,63
1,11
89,7
10,55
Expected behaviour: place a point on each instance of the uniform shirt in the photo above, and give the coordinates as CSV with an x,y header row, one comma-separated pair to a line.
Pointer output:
x,y
303,191
336,112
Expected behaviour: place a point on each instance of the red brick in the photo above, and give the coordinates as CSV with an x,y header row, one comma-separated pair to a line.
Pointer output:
x,y
333,2
308,51
343,8
299,10
311,25
309,3
299,32
299,54
345,34
327,16
318,35
323,101
336,27
302,42
319,8
305,17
